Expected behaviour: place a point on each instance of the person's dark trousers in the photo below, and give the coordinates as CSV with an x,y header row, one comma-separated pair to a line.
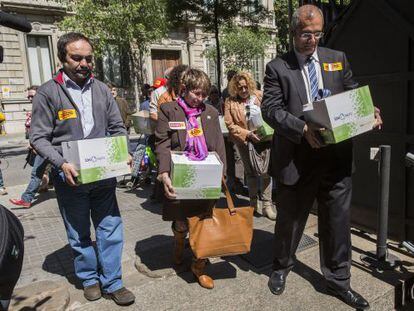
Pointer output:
x,y
332,191
1,179
77,206
230,160
11,254
36,176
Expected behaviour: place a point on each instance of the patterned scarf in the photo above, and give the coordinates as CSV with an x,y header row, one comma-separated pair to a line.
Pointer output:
x,y
195,142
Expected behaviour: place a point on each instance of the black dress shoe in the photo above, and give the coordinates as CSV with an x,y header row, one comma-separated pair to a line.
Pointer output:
x,y
351,298
277,282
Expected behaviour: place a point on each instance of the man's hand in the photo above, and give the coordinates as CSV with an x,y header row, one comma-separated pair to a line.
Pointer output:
x,y
153,116
129,161
311,135
168,188
70,173
253,137
378,119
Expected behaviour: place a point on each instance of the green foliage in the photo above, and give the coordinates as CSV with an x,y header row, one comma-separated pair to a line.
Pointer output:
x,y
282,23
118,23
211,13
240,45
214,14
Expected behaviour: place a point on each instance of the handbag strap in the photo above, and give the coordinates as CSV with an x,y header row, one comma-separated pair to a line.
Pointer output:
x,y
230,203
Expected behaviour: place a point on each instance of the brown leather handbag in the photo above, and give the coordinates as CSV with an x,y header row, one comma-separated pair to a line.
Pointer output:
x,y
225,232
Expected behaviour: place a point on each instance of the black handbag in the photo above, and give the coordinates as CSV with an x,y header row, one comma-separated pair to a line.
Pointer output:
x,y
11,251
30,158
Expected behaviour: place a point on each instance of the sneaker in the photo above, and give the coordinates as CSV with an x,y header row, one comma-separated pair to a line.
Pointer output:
x,y
20,202
3,191
92,292
122,297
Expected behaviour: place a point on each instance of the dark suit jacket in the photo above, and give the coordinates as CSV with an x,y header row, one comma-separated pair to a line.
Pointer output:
x,y
283,98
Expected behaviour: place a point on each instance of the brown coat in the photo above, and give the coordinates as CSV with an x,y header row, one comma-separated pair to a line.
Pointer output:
x,y
125,110
235,118
168,140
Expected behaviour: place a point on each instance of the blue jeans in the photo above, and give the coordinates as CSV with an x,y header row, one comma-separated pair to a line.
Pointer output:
x,y
77,206
1,180
36,175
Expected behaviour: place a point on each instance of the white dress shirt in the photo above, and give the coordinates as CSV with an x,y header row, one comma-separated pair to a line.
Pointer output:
x,y
303,64
83,100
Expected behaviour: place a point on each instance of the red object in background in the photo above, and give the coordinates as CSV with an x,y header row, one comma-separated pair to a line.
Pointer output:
x,y
158,82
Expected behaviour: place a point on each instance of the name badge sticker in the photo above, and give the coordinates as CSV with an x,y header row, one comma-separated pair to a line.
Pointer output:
x,y
177,125
67,114
332,66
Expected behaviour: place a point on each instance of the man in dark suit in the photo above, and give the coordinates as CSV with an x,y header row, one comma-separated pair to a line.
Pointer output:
x,y
305,170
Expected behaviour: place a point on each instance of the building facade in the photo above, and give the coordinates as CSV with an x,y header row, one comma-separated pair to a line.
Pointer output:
x,y
31,59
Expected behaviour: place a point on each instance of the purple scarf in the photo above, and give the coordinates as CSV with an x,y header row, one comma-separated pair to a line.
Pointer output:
x,y
195,145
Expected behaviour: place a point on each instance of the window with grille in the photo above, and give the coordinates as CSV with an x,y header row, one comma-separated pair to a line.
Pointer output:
x,y
39,59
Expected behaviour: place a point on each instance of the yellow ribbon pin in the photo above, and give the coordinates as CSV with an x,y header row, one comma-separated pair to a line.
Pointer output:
x,y
332,66
195,132
67,114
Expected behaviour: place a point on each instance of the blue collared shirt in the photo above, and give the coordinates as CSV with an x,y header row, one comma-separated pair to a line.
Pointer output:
x,y
83,100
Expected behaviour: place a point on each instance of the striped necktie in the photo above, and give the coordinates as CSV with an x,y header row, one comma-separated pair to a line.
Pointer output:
x,y
313,78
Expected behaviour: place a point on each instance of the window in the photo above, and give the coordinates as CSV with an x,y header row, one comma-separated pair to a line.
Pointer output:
x,y
39,59
113,67
212,71
258,69
210,64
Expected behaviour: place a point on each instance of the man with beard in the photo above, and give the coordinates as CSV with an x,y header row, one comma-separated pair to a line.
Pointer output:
x,y
75,106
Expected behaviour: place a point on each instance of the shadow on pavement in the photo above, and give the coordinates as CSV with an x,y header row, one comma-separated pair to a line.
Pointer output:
x,y
44,196
60,262
154,259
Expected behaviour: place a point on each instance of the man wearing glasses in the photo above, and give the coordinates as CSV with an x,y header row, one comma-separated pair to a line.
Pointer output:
x,y
305,170
74,106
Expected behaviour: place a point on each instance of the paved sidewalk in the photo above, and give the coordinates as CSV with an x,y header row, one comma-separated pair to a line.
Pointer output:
x,y
241,281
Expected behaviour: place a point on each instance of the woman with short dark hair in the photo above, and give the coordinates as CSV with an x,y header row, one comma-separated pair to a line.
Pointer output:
x,y
188,108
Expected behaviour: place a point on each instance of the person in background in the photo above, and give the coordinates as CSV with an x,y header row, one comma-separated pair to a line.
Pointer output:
x,y
243,94
258,86
160,88
306,170
173,85
234,183
225,94
3,190
72,106
215,100
38,179
123,105
189,107
146,97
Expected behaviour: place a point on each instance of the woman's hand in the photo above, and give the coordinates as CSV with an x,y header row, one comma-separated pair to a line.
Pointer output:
x,y
253,137
168,188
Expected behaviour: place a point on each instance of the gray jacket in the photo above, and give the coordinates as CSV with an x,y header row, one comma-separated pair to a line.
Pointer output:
x,y
56,118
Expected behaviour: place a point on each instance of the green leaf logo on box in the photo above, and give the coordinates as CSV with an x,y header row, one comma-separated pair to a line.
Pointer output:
x,y
184,176
117,149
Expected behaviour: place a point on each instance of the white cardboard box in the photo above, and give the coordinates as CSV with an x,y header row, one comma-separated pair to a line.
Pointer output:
x,y
99,158
223,126
142,122
343,115
196,179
